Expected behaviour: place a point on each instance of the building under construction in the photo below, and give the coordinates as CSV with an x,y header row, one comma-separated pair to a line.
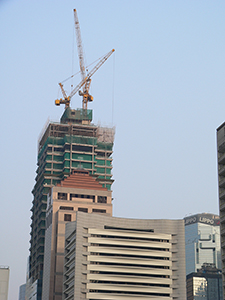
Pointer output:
x,y
73,143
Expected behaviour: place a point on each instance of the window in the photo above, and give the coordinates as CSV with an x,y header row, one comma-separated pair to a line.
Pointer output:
x,y
83,209
103,211
67,217
102,199
62,196
66,208
67,147
82,196
48,165
81,148
58,149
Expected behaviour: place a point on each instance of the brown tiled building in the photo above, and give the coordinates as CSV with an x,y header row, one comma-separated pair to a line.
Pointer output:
x,y
78,192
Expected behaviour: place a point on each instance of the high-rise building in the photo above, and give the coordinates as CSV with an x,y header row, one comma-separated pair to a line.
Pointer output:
x,y
78,192
72,143
205,284
4,282
202,241
22,292
221,184
116,258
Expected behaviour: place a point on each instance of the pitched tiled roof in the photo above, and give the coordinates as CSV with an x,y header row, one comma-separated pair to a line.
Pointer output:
x,y
81,179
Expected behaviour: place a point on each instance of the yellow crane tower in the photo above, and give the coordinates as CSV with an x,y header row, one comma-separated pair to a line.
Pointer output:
x,y
85,78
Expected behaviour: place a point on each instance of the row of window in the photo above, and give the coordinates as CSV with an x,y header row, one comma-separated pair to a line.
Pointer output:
x,y
166,294
130,274
151,265
78,156
152,239
76,164
64,196
130,283
68,217
77,148
136,247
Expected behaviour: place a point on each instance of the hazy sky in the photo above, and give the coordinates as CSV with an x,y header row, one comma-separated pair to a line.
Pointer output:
x,y
163,89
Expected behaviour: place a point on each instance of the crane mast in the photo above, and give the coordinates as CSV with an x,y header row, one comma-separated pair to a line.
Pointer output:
x,y
85,93
79,45
85,78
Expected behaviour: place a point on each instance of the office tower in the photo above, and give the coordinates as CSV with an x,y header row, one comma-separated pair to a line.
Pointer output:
x,y
202,241
78,192
73,142
33,289
22,292
4,282
116,258
205,284
221,184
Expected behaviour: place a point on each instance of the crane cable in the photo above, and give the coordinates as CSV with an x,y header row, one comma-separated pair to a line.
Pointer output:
x,y
86,69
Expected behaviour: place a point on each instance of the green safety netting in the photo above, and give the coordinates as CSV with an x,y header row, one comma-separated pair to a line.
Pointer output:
x,y
105,146
74,139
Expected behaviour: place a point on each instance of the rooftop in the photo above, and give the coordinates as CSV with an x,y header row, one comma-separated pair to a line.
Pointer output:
x,y
81,179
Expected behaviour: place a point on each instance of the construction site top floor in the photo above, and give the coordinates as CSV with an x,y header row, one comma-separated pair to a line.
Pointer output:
x,y
77,125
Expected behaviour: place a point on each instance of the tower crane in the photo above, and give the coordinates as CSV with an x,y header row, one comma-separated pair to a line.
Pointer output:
x,y
85,78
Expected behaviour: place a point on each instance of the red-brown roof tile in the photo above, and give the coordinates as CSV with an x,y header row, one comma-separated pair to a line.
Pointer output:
x,y
82,180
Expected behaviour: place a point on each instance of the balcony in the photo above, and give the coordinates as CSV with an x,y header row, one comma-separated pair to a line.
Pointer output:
x,y
222,182
223,257
40,251
221,148
221,170
223,243
222,205
222,195
221,159
222,218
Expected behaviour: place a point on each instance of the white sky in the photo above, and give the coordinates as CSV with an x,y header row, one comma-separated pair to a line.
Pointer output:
x,y
163,89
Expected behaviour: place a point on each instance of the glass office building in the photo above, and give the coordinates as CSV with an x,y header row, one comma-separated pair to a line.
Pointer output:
x,y
202,241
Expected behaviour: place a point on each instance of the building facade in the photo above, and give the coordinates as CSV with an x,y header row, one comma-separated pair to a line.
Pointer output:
x,y
78,192
221,188
33,289
72,143
202,241
22,292
4,282
205,284
116,258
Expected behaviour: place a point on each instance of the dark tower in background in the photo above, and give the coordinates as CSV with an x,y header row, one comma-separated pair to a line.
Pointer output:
x,y
221,183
